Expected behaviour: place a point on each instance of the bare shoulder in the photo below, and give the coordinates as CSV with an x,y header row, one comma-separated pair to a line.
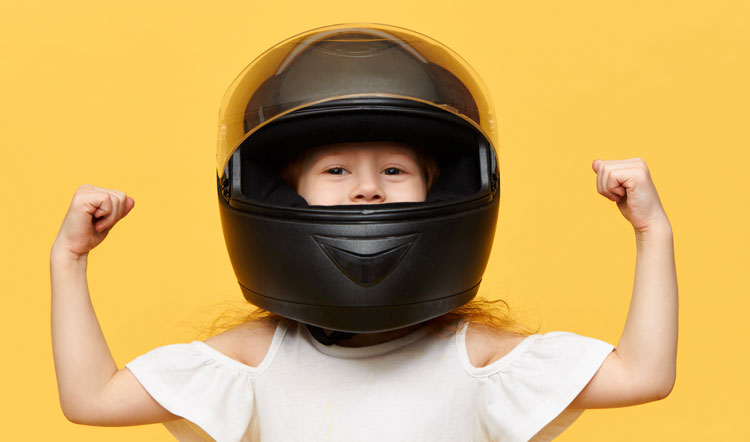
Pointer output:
x,y
486,344
247,343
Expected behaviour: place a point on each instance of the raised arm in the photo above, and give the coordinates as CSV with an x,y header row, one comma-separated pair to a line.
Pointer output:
x,y
642,368
92,390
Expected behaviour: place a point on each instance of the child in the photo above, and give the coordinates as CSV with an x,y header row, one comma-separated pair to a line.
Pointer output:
x,y
372,373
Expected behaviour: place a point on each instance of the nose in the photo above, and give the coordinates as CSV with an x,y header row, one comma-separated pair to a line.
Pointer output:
x,y
367,190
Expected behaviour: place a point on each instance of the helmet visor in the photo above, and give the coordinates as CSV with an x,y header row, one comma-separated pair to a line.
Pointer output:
x,y
349,62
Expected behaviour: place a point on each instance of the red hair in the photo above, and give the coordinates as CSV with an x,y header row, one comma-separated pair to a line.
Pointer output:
x,y
495,314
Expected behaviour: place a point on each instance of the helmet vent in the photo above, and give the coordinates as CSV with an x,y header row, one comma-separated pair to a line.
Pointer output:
x,y
366,261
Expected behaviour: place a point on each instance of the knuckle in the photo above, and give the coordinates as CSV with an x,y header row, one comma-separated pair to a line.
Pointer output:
x,y
79,198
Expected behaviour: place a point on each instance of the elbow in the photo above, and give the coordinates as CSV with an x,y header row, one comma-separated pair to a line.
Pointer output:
x,y
665,390
81,417
74,419
75,411
72,415
662,389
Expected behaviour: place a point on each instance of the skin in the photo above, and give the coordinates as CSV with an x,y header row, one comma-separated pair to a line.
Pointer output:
x,y
361,173
93,391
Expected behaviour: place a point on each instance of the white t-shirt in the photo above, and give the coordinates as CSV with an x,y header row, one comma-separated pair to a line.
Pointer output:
x,y
419,387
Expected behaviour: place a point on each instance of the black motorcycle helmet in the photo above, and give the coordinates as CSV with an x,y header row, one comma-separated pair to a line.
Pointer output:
x,y
359,268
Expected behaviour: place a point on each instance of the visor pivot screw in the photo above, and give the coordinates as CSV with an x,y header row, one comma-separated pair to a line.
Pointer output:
x,y
225,188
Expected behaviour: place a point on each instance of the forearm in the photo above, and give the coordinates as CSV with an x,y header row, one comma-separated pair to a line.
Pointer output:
x,y
648,346
83,362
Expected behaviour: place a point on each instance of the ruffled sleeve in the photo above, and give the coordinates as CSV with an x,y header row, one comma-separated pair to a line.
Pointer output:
x,y
524,395
213,392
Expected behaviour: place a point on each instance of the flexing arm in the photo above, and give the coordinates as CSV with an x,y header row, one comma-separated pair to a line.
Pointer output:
x,y
643,366
92,390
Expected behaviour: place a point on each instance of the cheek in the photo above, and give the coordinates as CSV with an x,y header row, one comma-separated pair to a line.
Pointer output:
x,y
319,192
420,192
420,188
413,191
306,189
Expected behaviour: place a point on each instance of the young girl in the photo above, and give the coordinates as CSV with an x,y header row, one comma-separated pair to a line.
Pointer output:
x,y
354,362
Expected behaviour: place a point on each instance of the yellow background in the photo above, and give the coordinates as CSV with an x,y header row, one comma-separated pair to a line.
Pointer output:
x,y
126,95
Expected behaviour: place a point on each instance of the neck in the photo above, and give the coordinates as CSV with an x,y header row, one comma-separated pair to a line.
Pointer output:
x,y
367,339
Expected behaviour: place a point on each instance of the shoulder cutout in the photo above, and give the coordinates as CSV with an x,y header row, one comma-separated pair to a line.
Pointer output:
x,y
246,343
485,344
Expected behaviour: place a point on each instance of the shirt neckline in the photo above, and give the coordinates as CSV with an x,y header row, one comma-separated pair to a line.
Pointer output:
x,y
496,366
216,355
368,351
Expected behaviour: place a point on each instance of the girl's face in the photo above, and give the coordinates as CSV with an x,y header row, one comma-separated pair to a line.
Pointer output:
x,y
361,173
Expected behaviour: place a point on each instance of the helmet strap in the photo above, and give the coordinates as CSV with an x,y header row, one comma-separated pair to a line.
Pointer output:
x,y
329,339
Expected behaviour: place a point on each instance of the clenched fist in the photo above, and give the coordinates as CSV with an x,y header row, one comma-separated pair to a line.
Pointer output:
x,y
629,184
92,213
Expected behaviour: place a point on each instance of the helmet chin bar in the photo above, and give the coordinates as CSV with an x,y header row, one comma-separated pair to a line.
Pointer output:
x,y
283,269
361,319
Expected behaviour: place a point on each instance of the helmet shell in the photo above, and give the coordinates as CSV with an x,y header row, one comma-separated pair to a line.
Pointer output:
x,y
357,268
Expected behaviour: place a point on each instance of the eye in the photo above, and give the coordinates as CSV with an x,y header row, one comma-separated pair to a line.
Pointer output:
x,y
336,171
392,171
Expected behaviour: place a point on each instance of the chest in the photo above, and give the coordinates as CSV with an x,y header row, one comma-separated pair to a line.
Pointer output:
x,y
421,393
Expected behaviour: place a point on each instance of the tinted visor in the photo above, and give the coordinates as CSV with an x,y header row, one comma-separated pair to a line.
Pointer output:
x,y
350,62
